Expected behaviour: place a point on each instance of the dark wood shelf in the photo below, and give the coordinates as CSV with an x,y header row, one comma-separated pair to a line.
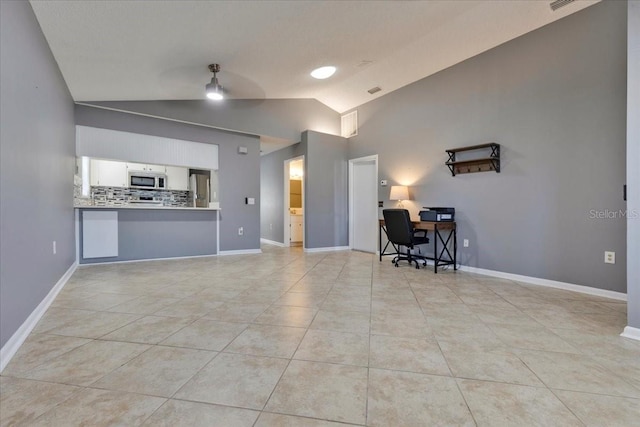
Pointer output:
x,y
472,147
480,164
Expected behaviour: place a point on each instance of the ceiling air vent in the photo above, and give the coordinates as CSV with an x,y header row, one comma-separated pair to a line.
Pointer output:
x,y
349,124
374,90
557,4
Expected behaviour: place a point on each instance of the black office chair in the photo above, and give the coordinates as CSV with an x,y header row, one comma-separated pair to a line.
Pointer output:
x,y
400,232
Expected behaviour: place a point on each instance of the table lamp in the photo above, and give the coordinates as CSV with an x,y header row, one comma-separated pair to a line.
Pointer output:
x,y
399,193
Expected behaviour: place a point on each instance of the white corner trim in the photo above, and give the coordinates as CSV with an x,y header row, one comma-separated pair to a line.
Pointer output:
x,y
11,347
240,252
548,283
272,242
328,249
631,332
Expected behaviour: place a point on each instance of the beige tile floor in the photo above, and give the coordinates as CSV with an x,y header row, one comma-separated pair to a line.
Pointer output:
x,y
286,338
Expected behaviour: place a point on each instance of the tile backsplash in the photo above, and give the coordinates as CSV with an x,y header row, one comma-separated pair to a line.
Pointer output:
x,y
118,196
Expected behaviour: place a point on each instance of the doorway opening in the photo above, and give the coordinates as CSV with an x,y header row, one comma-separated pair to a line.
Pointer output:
x,y
294,202
363,204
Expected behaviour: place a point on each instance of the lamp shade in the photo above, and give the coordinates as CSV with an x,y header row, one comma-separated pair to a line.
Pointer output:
x,y
399,192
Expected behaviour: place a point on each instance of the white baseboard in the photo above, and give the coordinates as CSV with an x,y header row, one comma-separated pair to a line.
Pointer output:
x,y
328,249
127,261
548,283
240,252
10,348
272,242
631,332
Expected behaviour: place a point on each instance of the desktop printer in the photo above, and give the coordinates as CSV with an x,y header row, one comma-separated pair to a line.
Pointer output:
x,y
437,214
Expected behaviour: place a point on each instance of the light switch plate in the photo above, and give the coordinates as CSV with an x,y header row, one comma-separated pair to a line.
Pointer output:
x,y
250,200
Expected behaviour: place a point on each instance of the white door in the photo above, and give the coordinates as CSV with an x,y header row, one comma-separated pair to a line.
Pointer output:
x,y
364,205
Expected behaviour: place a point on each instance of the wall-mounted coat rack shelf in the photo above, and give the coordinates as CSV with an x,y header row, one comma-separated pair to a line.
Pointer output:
x,y
480,164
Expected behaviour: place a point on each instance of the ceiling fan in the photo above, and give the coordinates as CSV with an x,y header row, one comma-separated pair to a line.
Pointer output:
x,y
214,89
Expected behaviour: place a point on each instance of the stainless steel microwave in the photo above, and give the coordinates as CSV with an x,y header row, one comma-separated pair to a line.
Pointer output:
x,y
149,181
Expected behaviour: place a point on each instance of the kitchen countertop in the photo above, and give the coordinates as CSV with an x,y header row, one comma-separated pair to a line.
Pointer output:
x,y
142,206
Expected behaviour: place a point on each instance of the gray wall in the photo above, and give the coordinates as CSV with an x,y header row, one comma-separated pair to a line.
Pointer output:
x,y
555,100
148,233
272,191
633,164
37,144
239,174
281,118
326,216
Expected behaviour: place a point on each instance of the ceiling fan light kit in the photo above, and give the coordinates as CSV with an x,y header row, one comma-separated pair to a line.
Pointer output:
x,y
214,89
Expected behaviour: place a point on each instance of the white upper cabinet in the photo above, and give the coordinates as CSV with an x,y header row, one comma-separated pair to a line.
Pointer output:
x,y
145,167
177,178
136,166
156,168
108,173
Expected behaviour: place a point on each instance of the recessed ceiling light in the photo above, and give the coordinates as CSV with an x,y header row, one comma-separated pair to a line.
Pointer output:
x,y
323,72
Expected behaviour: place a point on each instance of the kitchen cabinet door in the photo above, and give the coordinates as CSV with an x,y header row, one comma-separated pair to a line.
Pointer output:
x,y
296,228
156,168
138,167
99,234
108,173
177,178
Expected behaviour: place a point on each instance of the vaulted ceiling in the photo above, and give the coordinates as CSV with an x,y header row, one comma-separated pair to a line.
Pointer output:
x,y
159,50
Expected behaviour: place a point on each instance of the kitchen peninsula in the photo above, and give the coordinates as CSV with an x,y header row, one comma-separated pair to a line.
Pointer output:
x,y
122,217
128,208
126,233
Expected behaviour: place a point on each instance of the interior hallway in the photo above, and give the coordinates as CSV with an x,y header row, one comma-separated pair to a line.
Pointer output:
x,y
286,338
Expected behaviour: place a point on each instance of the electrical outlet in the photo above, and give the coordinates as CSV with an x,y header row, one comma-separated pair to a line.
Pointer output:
x,y
609,257
465,243
383,182
54,247
240,231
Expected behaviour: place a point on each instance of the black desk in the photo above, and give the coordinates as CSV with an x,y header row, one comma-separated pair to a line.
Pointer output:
x,y
439,258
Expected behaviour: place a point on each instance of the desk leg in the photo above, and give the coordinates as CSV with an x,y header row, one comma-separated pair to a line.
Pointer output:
x,y
436,235
455,249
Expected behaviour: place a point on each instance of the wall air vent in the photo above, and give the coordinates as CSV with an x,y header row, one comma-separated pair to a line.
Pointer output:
x,y
374,90
349,124
557,4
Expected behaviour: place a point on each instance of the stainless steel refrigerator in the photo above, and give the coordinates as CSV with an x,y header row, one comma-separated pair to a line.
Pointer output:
x,y
199,187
